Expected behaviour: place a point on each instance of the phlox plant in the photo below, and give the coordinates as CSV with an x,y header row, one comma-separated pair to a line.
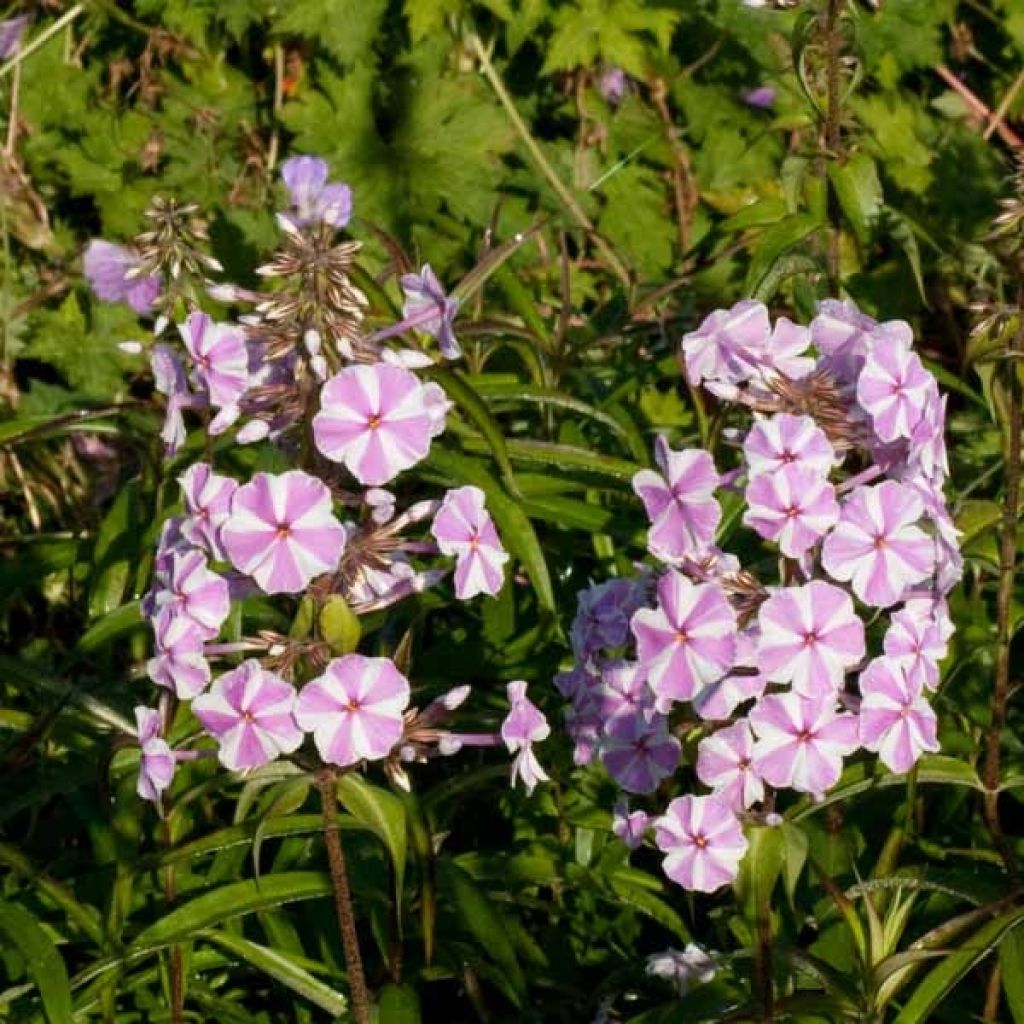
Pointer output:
x,y
758,672
331,538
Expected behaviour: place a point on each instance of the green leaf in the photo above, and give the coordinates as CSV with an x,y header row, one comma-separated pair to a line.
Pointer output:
x,y
282,969
115,554
22,932
650,904
1011,960
116,623
399,1004
339,625
859,192
772,245
760,868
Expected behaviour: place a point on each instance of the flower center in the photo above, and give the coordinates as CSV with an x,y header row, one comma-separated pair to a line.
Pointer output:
x,y
283,530
810,639
353,705
374,421
700,841
879,541
793,511
786,456
804,736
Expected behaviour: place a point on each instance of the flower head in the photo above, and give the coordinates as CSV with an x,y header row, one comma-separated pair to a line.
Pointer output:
x,y
463,528
110,270
761,98
313,199
179,664
702,842
639,752
793,506
355,709
893,387
810,637
208,504
917,641
602,617
784,440
429,309
680,502
170,380
523,726
725,763
282,532
249,712
877,545
687,641
190,589
11,32
220,356
683,968
629,826
729,347
377,419
896,720
156,767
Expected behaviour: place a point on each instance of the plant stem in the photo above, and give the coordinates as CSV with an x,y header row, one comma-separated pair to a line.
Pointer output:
x,y
559,187
1004,599
832,138
41,39
325,781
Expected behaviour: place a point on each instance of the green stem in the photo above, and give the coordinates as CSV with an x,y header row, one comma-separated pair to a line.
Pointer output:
x,y
832,139
559,187
42,39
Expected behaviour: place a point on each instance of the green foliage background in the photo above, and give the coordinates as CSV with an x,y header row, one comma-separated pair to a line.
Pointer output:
x,y
891,901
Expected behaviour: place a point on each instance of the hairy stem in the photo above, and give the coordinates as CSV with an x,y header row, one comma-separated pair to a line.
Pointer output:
x,y
343,898
176,969
1004,599
831,137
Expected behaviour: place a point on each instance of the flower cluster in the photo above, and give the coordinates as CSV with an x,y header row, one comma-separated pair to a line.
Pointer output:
x,y
348,412
826,642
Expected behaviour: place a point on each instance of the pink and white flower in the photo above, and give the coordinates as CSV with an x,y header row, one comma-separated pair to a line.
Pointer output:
x,y
725,763
629,826
680,502
688,641
191,589
355,709
783,440
523,726
877,545
702,841
156,766
810,637
463,528
893,388
917,641
729,346
683,968
793,506
801,742
220,356
896,720
377,420
785,353
249,711
717,702
179,664
638,753
282,532
208,504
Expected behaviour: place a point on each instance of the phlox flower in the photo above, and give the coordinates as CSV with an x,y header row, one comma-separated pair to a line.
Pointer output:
x,y
927,455
810,637
377,419
179,664
220,356
638,753
602,617
523,726
683,968
893,388
190,589
680,501
249,711
584,727
801,742
917,641
877,545
794,506
783,440
629,826
208,504
109,269
728,347
462,527
281,531
702,842
622,690
896,721
844,335
724,762
429,309
355,709
313,199
156,766
171,381
745,682
785,352
687,641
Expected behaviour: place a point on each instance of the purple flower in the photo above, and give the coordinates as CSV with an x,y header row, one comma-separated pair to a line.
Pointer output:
x,y
927,454
313,199
377,420
801,742
917,641
728,348
355,709
702,841
877,547
611,84
810,637
793,506
190,589
156,767
220,356
893,388
179,664
687,641
724,762
679,501
281,531
621,690
463,528
603,612
249,711
895,719
784,440
429,309
629,826
682,968
208,503
523,726
842,334
761,98
170,379
786,350
110,268
639,753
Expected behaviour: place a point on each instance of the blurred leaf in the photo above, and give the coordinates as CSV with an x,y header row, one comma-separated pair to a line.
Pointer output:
x,y
21,931
398,1004
339,625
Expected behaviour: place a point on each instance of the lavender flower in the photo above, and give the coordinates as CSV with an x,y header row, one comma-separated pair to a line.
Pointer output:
x,y
313,199
11,32
112,273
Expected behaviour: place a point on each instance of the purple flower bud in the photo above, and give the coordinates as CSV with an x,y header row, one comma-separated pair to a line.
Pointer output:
x,y
761,98
110,268
10,35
